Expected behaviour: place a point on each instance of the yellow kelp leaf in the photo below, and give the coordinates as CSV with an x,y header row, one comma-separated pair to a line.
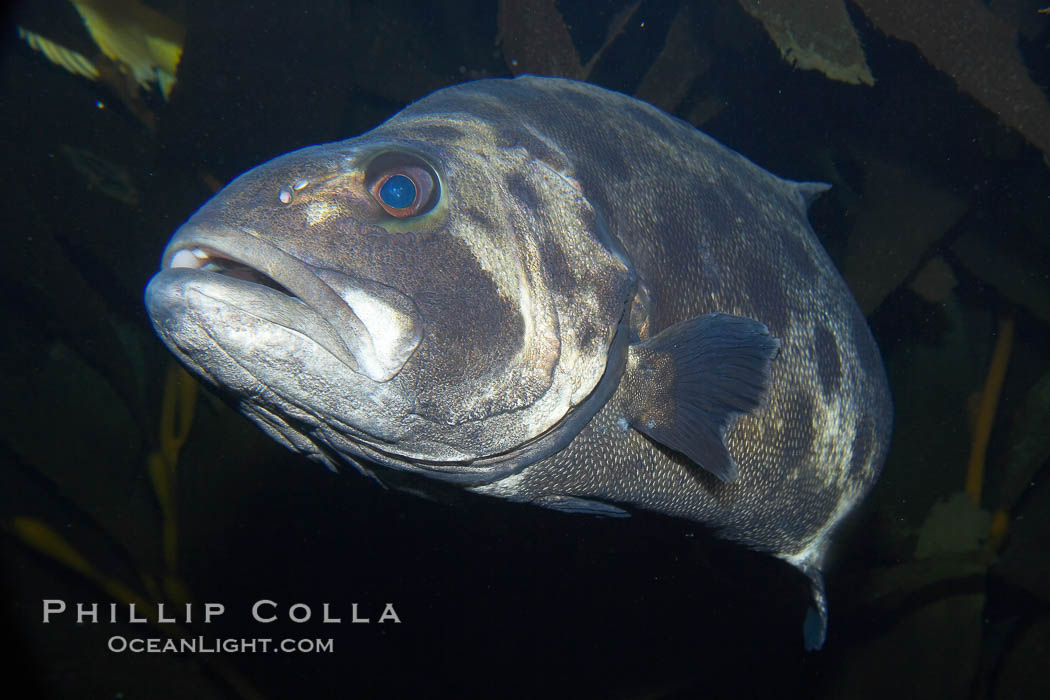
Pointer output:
x,y
177,411
167,55
175,589
38,535
74,62
41,537
161,476
993,385
144,42
997,532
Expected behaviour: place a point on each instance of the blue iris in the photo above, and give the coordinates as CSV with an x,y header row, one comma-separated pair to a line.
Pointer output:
x,y
398,192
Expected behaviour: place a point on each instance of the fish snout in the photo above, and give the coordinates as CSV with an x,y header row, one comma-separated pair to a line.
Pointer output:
x,y
370,327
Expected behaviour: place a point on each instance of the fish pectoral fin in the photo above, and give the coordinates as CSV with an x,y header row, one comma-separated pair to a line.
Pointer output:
x,y
686,385
581,506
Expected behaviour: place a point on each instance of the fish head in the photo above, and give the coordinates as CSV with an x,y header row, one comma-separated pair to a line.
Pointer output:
x,y
426,297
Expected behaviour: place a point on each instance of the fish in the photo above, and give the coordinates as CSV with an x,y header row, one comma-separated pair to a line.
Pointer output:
x,y
541,290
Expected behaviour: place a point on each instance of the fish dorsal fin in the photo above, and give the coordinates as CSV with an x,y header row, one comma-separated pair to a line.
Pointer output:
x,y
809,191
686,385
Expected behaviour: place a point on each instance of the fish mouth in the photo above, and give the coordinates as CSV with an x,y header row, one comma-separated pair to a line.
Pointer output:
x,y
208,260
371,328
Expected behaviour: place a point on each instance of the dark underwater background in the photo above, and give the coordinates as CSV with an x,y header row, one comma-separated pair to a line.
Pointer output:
x,y
939,219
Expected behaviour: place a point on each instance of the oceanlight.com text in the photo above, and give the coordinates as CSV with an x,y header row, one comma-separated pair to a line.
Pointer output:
x,y
212,645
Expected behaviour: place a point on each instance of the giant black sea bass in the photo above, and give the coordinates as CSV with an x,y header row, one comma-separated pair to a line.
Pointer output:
x,y
543,291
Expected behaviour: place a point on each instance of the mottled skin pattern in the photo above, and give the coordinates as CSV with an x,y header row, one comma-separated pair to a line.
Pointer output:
x,y
706,230
572,220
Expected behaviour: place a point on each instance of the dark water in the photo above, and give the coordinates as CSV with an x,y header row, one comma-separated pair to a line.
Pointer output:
x,y
939,219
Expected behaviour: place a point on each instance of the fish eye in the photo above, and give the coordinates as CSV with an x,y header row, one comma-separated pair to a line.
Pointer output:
x,y
398,192
402,184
